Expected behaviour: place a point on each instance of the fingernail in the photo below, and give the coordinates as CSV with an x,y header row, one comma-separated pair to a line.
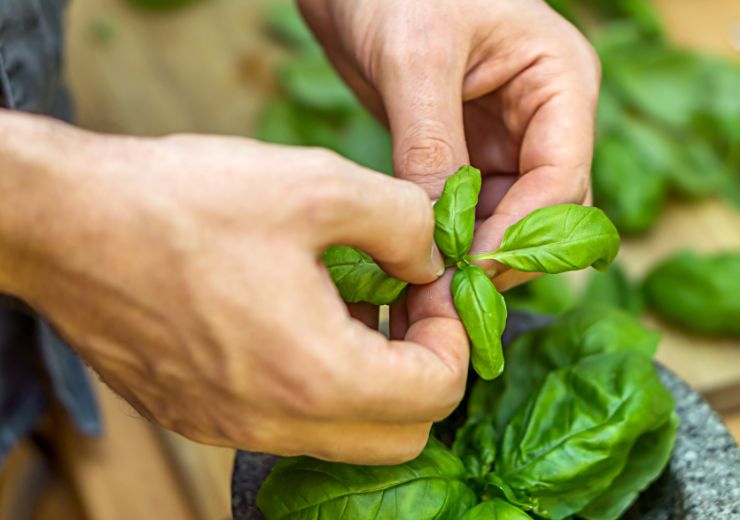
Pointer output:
x,y
438,263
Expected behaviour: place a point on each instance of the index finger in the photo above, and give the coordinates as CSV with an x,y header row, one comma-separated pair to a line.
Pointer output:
x,y
554,164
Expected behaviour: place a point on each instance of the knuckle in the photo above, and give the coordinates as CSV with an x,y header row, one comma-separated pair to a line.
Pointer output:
x,y
323,196
314,395
425,150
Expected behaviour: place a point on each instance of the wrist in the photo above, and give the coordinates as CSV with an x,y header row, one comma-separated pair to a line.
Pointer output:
x,y
38,195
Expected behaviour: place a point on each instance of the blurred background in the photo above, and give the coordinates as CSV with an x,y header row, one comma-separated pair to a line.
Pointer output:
x,y
666,170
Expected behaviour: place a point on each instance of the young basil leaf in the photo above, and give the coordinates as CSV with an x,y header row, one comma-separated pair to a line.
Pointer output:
x,y
612,287
699,293
556,239
475,445
454,213
483,312
428,487
359,278
646,461
573,437
495,486
495,509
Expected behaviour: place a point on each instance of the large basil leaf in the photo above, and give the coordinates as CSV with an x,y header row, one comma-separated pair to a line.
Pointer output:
x,y
646,461
700,293
612,287
585,331
454,213
556,239
573,437
428,487
483,312
495,509
475,445
359,278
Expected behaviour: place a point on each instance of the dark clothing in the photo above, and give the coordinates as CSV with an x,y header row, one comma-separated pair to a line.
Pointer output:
x,y
35,364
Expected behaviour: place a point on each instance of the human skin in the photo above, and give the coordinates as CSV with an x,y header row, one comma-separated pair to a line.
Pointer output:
x,y
506,85
186,271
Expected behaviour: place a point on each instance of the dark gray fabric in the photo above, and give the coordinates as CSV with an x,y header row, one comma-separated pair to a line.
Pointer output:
x,y
35,364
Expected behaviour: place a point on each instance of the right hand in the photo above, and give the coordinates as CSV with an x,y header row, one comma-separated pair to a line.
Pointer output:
x,y
185,270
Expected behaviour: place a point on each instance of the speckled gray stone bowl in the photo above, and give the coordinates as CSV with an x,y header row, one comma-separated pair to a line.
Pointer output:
x,y
702,481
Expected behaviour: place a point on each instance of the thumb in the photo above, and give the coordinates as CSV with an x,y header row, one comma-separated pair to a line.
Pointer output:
x,y
422,94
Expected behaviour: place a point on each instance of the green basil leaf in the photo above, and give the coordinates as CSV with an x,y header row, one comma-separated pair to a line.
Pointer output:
x,y
573,437
359,278
454,213
428,487
495,509
612,287
483,312
285,22
646,461
556,239
495,486
475,445
585,331
699,293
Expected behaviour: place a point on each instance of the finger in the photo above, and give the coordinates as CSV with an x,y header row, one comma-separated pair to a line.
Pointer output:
x,y
390,219
421,87
555,162
349,442
420,379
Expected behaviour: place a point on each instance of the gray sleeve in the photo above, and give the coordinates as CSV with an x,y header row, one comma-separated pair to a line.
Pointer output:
x,y
31,57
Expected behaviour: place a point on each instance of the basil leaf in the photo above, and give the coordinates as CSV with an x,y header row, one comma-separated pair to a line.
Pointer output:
x,y
495,486
495,509
582,332
699,293
612,287
573,437
646,461
359,278
556,239
483,312
428,487
454,213
475,445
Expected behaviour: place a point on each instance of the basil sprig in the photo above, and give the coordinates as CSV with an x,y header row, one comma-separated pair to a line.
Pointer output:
x,y
550,240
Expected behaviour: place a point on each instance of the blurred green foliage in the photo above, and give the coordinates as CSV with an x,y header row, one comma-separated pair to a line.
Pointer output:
x,y
314,106
160,5
668,121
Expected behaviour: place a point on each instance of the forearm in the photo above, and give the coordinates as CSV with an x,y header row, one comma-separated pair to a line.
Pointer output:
x,y
36,194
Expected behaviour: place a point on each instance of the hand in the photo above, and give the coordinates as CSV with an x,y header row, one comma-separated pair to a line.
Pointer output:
x,y
506,85
185,270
